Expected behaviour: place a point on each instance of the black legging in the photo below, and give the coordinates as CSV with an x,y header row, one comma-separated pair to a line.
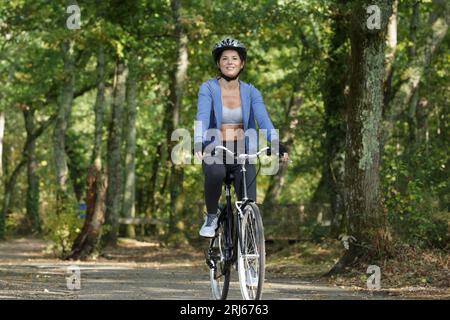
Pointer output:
x,y
215,174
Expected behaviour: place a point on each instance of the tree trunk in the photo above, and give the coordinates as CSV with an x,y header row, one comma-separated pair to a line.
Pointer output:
x,y
88,239
410,143
9,189
32,197
151,206
115,170
422,121
130,152
11,181
277,181
76,168
365,219
391,48
438,25
412,123
334,99
64,109
2,133
176,219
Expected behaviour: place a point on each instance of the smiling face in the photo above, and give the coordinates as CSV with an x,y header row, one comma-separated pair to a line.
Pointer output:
x,y
230,63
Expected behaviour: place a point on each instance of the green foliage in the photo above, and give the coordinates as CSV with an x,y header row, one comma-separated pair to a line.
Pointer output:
x,y
61,230
18,223
414,211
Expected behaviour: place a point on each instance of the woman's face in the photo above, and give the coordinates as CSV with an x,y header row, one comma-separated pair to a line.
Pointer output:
x,y
230,63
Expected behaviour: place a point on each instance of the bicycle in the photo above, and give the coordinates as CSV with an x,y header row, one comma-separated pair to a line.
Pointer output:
x,y
239,241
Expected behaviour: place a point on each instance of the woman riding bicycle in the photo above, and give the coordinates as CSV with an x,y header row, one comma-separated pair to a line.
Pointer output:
x,y
231,106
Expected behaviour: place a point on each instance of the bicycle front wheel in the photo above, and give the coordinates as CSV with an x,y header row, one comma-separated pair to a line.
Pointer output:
x,y
220,273
251,253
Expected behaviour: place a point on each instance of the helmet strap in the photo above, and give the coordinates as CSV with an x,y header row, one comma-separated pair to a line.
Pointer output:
x,y
227,78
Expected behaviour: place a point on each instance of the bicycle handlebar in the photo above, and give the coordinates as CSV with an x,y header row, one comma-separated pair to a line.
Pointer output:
x,y
243,156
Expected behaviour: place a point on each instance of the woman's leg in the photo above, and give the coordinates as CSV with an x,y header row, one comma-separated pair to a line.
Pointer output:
x,y
214,176
250,178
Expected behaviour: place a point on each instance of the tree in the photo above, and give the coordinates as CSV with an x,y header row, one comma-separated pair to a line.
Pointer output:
x,y
365,218
59,133
420,60
2,132
89,238
32,202
10,182
331,185
114,163
177,78
391,49
129,195
277,181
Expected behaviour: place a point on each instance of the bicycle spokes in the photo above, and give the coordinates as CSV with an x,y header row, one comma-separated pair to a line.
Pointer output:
x,y
219,269
251,254
239,241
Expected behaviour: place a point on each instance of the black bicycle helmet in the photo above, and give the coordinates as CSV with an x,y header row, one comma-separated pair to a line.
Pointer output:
x,y
228,43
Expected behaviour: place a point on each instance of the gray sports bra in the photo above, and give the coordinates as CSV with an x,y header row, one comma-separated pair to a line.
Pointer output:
x,y
231,115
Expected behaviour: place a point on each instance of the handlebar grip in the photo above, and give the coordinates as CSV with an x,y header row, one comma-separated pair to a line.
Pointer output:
x,y
269,153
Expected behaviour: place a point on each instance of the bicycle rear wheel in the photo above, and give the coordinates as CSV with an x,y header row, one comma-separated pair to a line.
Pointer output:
x,y
220,273
251,254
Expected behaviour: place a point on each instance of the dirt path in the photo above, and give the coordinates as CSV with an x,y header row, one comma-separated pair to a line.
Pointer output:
x,y
152,273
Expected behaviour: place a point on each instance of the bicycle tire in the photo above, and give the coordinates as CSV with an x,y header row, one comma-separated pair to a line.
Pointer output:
x,y
251,253
220,274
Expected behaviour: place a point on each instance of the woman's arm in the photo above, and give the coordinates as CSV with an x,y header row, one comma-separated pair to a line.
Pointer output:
x,y
204,106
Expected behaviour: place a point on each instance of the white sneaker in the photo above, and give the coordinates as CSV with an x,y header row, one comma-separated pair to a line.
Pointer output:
x,y
208,229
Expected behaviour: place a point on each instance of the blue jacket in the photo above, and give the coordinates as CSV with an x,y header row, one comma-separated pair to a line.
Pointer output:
x,y
209,114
